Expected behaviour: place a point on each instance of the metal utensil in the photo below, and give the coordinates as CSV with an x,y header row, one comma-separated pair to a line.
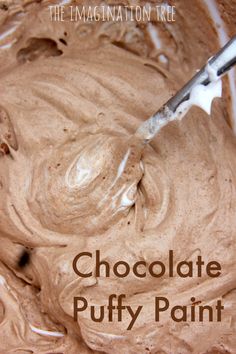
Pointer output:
x,y
216,67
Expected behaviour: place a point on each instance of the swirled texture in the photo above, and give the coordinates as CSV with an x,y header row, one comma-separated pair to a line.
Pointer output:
x,y
73,179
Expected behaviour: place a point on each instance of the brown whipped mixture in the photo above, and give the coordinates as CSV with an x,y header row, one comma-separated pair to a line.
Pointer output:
x,y
73,179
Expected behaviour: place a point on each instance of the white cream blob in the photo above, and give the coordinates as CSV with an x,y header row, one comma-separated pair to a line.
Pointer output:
x,y
200,96
3,282
128,197
153,32
80,172
122,164
120,171
83,171
46,333
211,72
